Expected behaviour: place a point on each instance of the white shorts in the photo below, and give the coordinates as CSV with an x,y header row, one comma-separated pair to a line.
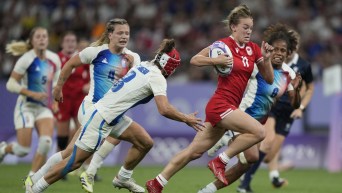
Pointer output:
x,y
95,129
27,113
82,109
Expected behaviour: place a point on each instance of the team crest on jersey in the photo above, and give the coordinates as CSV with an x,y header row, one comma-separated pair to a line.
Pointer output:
x,y
249,50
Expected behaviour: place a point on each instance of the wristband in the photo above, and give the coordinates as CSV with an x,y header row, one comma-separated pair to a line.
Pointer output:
x,y
302,107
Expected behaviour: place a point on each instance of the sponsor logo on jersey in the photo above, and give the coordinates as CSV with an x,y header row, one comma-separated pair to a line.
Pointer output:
x,y
105,61
249,50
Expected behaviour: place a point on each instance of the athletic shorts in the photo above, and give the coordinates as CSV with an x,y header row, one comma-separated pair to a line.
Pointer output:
x,y
27,113
95,129
217,109
69,108
283,121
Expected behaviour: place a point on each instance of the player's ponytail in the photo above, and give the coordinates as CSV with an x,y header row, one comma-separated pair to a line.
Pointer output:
x,y
17,48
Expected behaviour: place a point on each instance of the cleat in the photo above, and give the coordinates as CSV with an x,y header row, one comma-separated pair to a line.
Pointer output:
x,y
28,185
2,150
153,186
218,168
279,182
129,185
87,182
222,142
241,189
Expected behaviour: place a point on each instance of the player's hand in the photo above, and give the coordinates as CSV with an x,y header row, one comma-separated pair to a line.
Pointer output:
x,y
195,122
38,96
297,114
223,60
57,94
266,50
54,107
130,59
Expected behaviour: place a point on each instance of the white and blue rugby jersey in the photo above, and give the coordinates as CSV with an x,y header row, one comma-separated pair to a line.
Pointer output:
x,y
105,68
260,96
40,75
138,86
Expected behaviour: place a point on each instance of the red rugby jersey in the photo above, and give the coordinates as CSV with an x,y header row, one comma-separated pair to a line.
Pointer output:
x,y
78,78
232,86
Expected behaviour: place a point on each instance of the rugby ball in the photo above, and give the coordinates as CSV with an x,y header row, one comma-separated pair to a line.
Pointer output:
x,y
216,49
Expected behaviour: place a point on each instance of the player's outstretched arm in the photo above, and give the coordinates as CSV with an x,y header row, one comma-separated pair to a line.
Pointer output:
x,y
74,62
167,110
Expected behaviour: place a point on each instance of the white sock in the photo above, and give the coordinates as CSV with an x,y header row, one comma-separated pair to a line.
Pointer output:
x,y
274,174
161,180
124,174
31,173
224,158
2,149
53,160
210,188
98,157
40,186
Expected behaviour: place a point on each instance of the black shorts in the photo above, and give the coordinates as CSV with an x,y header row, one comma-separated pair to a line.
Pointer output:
x,y
282,118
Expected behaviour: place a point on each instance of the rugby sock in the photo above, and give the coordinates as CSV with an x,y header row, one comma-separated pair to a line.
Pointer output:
x,y
124,174
99,156
274,174
162,181
210,188
53,160
62,142
224,158
249,174
40,186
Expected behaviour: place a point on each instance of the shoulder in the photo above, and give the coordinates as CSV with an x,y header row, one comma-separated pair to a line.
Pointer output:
x,y
288,69
53,57
27,57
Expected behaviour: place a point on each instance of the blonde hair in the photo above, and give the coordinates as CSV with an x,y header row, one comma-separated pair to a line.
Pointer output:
x,y
109,29
18,48
241,11
297,36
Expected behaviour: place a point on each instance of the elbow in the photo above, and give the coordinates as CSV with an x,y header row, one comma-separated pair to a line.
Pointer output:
x,y
163,111
194,61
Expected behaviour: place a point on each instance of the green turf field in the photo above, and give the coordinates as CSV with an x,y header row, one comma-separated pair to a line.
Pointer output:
x,y
189,180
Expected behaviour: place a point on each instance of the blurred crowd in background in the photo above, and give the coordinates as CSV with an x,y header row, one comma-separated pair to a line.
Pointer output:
x,y
193,23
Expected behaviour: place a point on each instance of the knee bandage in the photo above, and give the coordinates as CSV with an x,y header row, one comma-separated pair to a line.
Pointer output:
x,y
44,145
242,158
20,150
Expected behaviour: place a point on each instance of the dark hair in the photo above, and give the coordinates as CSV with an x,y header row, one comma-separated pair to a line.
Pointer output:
x,y
241,11
281,31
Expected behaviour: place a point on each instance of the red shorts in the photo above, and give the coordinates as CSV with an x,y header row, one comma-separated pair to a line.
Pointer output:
x,y
217,108
69,108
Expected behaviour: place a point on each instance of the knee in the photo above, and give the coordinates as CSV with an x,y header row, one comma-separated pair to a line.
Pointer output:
x,y
19,150
148,144
260,133
44,145
145,144
251,158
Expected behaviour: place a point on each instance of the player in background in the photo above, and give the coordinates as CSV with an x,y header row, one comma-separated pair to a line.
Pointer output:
x,y
279,123
260,96
222,111
109,60
138,86
33,77
74,90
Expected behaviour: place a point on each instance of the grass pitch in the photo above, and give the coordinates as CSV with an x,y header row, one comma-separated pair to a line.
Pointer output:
x,y
189,180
